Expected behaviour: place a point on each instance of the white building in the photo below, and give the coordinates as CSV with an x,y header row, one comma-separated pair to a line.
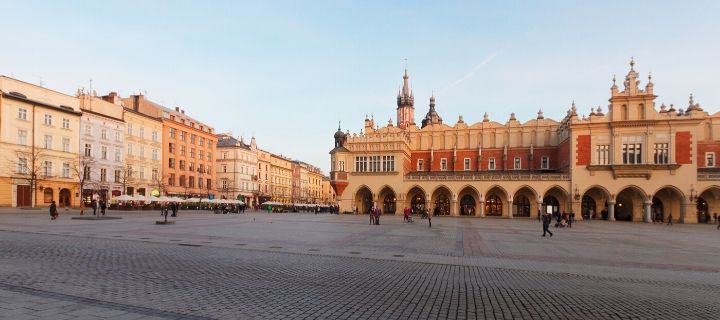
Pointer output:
x,y
236,169
101,148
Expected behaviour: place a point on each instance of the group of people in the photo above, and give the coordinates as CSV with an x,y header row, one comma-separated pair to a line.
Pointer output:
x,y
375,214
171,208
562,220
98,204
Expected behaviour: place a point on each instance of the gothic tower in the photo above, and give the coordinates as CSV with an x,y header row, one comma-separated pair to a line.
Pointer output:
x,y
405,104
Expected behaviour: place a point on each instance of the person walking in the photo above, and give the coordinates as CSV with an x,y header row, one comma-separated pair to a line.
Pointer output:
x,y
94,206
53,211
103,206
378,212
372,216
546,218
670,218
429,217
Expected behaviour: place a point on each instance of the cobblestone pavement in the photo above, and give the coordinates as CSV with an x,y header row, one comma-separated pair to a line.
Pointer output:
x,y
260,266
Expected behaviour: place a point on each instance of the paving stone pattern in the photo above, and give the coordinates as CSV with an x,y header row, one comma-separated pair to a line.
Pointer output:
x,y
71,274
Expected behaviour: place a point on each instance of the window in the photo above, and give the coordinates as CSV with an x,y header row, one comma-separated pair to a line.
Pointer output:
x,y
142,151
171,163
141,174
86,172
342,165
361,164
117,154
192,153
48,141
171,180
208,171
172,133
209,156
103,174
22,113
201,168
200,184
66,123
491,164
155,154
117,136
182,150
103,134
130,149
709,159
192,138
632,153
388,164
182,135
154,174
154,136
662,153
103,152
182,164
88,150
22,137
130,173
182,180
191,166
420,165
466,164
130,129
443,164
201,141
224,168
224,184
201,154
142,132
518,163
22,166
118,174
88,130
545,163
48,168
171,148
191,182
209,183
602,154
66,170
66,145
48,119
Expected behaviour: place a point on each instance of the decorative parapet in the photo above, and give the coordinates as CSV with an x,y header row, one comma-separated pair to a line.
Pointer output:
x,y
633,170
708,176
487,176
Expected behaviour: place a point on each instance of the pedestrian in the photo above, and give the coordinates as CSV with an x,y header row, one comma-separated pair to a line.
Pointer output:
x,y
378,212
372,216
53,211
103,206
174,209
94,206
715,217
546,218
429,220
670,219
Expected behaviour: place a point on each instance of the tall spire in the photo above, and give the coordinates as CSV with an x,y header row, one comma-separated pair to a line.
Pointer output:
x,y
406,85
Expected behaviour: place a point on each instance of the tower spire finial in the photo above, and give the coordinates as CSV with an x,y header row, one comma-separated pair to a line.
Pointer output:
x,y
339,126
632,63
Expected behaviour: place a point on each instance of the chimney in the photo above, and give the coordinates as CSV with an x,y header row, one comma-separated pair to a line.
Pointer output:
x,y
177,109
182,111
136,103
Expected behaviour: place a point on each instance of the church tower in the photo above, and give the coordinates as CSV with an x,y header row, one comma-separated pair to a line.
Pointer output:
x,y
405,104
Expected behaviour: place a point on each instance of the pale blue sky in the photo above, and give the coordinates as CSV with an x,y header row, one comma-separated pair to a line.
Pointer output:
x,y
288,71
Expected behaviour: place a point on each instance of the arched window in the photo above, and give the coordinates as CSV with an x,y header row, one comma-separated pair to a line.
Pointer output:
x,y
493,205
522,206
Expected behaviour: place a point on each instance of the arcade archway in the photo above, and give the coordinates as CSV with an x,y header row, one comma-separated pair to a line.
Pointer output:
x,y
629,204
416,196
389,200
594,203
363,200
441,198
666,202
494,200
525,202
468,201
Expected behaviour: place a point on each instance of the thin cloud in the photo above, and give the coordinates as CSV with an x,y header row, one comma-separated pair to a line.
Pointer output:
x,y
472,71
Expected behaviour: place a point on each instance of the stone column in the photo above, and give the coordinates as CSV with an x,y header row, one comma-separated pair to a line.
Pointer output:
x,y
454,211
481,212
611,210
510,209
647,213
688,212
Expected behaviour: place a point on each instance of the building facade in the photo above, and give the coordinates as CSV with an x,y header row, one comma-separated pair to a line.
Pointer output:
x,y
237,166
39,134
621,165
281,172
142,173
101,159
264,177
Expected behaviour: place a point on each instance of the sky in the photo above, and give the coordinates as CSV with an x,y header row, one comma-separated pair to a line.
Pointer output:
x,y
287,72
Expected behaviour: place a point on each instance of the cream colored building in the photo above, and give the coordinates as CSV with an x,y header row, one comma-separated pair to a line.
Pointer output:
x,y
237,170
39,134
637,162
281,172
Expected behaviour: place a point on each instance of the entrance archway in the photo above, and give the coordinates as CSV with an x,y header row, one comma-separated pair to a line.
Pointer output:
x,y
556,198
363,200
657,211
416,195
703,215
441,201
494,202
468,201
551,205
629,204
388,198
595,203
670,201
525,202
711,198
64,197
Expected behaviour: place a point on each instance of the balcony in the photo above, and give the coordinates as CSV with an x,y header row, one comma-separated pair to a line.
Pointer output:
x,y
633,170
488,176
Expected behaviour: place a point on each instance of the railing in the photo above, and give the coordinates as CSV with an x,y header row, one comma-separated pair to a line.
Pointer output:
x,y
490,176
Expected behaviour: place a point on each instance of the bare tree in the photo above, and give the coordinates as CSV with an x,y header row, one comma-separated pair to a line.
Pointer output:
x,y
28,166
82,170
160,183
127,178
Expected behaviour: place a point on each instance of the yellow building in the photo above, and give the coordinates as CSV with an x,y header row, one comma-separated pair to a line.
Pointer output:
x,y
281,173
637,162
39,134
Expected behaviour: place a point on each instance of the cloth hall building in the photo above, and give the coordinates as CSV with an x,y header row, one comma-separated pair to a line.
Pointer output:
x,y
634,161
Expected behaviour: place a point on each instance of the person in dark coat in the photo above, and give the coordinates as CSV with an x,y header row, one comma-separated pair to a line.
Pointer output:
x,y
53,211
546,218
103,206
94,205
